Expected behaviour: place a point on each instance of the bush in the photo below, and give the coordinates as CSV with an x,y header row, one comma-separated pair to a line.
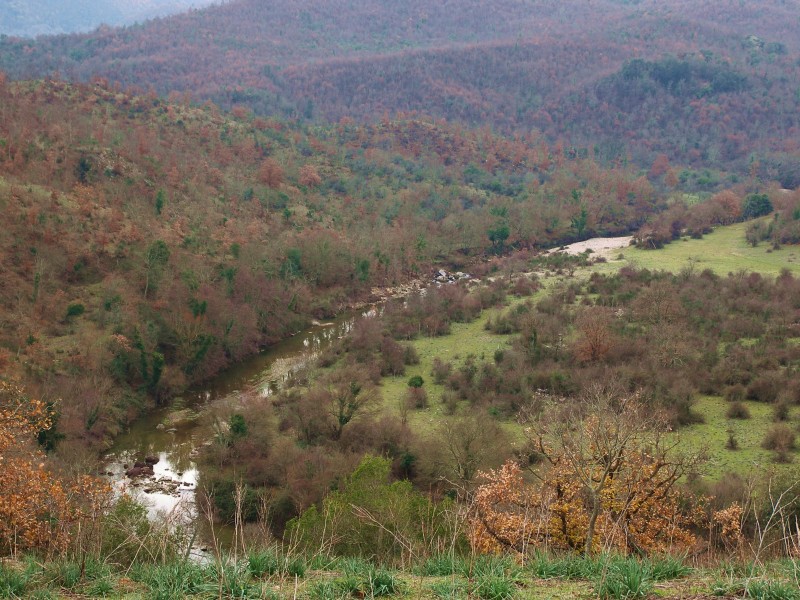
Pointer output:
x,y
780,412
441,371
765,388
780,439
738,410
75,309
416,397
416,382
735,393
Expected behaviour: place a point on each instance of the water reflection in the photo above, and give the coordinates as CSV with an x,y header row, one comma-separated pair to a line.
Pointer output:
x,y
176,441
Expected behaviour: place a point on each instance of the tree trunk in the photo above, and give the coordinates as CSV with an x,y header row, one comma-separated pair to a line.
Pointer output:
x,y
592,521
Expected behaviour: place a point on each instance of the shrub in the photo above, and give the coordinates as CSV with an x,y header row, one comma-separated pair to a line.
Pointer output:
x,y
780,439
416,397
738,410
441,370
416,382
75,309
765,388
780,412
411,356
735,393
450,402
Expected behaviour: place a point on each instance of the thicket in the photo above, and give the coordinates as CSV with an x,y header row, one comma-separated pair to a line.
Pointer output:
x,y
149,243
661,338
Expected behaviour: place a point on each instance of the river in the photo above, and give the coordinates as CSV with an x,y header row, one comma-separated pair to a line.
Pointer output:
x,y
176,442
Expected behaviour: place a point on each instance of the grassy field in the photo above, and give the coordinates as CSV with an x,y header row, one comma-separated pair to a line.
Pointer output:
x,y
749,434
723,251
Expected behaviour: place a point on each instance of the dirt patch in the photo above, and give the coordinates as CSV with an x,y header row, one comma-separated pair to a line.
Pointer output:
x,y
600,246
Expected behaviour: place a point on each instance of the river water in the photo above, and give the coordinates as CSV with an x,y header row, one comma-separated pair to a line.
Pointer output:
x,y
175,442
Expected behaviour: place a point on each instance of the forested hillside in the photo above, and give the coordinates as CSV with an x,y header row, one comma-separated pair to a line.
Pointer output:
x,y
712,84
146,245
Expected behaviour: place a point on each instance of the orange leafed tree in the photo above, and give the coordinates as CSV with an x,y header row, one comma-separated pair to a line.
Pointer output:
x,y
270,173
38,509
606,481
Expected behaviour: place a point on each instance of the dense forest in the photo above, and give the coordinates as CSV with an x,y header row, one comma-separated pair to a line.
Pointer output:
x,y
149,244
708,84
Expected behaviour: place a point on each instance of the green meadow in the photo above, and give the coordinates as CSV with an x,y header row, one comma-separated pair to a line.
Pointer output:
x,y
724,251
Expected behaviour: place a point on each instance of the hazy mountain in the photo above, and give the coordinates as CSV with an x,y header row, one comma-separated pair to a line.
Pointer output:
x,y
718,82
29,18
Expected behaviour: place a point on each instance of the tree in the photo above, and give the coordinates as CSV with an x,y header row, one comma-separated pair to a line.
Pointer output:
x,y
155,259
756,205
595,338
606,480
334,403
270,173
464,445
38,508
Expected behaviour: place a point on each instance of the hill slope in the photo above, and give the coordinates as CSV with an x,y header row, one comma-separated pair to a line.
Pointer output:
x,y
147,245
555,66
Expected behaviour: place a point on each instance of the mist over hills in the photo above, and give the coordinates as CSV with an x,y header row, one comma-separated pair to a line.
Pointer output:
x,y
30,18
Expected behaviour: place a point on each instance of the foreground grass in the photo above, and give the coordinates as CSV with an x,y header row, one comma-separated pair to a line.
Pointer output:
x,y
266,574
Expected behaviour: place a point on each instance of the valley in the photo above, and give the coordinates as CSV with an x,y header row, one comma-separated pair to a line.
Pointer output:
x,y
356,299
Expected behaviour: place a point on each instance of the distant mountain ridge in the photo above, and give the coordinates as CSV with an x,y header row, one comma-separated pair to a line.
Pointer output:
x,y
550,65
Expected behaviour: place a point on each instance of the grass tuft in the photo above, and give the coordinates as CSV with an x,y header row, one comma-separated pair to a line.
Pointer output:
x,y
624,580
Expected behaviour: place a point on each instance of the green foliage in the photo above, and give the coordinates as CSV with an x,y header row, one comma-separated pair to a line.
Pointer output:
x,y
357,519
489,587
416,381
327,589
760,589
756,205
451,589
440,565
238,426
228,580
668,567
75,310
624,580
13,582
130,537
170,581
382,583
161,198
262,562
